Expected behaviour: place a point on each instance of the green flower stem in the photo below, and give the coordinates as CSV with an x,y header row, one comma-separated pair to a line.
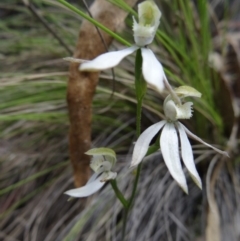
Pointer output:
x,y
140,86
130,202
153,148
135,185
119,194
125,216
94,22
138,130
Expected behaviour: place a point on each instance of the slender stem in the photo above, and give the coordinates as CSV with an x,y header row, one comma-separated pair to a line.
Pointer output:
x,y
95,22
128,204
140,87
139,117
125,216
119,194
171,91
138,132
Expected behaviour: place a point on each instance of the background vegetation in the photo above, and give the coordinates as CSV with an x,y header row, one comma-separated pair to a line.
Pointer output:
x,y
34,163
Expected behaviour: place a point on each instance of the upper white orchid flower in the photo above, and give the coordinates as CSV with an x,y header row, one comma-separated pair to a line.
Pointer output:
x,y
149,20
172,134
102,162
144,32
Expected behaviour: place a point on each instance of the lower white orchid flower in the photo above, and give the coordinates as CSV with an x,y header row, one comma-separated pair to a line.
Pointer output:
x,y
172,134
144,32
102,162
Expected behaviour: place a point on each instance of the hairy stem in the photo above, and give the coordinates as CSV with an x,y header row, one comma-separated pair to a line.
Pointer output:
x,y
140,86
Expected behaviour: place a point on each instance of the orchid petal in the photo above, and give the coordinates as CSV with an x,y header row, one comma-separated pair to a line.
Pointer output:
x,y
149,14
107,60
92,178
152,70
187,91
143,142
170,152
187,156
190,134
86,190
101,151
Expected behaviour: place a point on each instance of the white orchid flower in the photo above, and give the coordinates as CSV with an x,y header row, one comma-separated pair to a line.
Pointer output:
x,y
102,162
144,32
149,20
172,134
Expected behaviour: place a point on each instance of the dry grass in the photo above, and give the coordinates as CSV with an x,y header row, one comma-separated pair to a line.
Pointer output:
x,y
35,169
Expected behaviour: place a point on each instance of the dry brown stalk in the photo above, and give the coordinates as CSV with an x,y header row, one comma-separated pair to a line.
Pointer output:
x,y
82,85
